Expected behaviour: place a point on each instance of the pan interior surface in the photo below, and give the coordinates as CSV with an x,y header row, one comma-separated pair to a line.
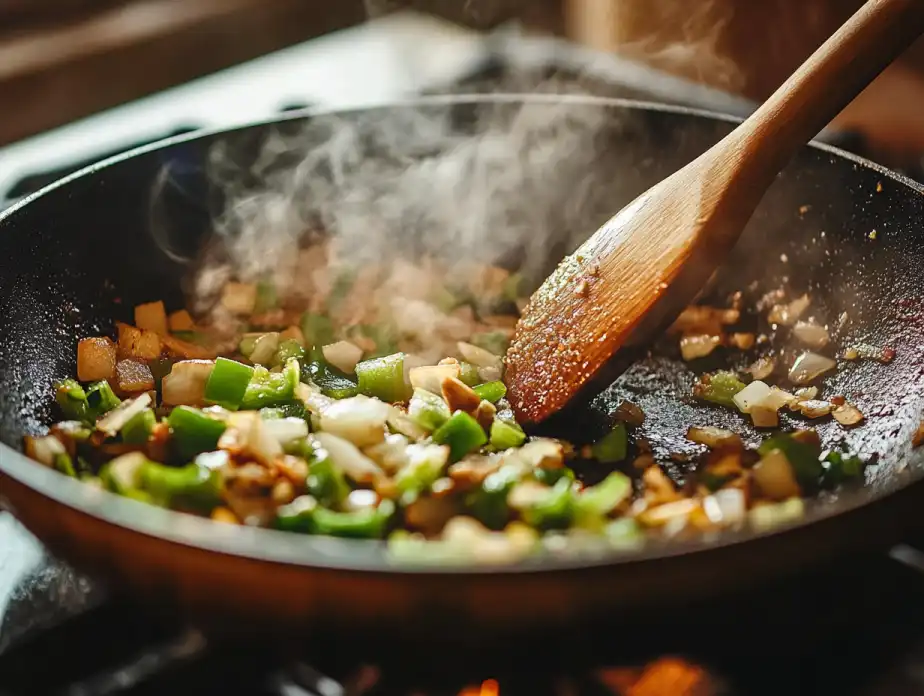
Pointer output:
x,y
81,255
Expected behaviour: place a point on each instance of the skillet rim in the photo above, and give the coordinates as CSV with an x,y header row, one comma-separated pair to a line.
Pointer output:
x,y
365,556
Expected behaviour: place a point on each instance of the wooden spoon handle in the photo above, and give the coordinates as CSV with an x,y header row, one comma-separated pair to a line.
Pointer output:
x,y
830,79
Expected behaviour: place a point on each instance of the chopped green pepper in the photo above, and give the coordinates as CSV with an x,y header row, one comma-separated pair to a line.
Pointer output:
x,y
101,398
840,466
624,533
287,350
72,399
247,343
368,523
122,475
425,465
227,383
267,298
491,391
194,486
193,431
462,433
506,434
611,448
554,510
325,481
802,457
298,515
489,503
428,410
331,381
495,342
600,500
64,464
139,427
383,378
271,388
293,409
551,476
317,329
718,388
468,374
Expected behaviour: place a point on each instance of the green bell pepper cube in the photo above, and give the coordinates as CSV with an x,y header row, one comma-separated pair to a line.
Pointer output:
x,y
267,298
293,409
227,383
325,481
720,388
491,391
138,429
72,400
462,433
331,381
468,374
383,378
612,447
368,523
64,464
624,533
841,467
425,465
549,477
193,431
122,475
317,329
489,503
287,350
271,388
606,496
506,434
297,516
194,486
428,410
101,398
554,510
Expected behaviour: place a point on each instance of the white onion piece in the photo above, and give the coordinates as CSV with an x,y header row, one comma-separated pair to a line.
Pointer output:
x,y
285,430
809,366
401,423
359,419
343,355
489,374
751,395
726,507
431,377
788,314
762,368
185,385
774,476
311,396
812,408
114,421
764,417
778,398
664,514
806,393
264,349
541,452
847,414
477,356
411,361
391,454
714,437
347,457
693,347
44,449
811,334
247,435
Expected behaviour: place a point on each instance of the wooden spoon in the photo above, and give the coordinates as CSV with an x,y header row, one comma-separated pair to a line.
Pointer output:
x,y
637,273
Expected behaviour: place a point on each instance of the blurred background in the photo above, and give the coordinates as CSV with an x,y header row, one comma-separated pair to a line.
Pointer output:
x,y
61,60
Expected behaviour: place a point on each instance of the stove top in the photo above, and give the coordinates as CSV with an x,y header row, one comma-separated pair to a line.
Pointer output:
x,y
856,628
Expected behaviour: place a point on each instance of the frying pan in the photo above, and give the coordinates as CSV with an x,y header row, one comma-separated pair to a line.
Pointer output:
x,y
81,253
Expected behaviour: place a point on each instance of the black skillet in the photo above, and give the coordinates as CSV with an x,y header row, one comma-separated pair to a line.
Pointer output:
x,y
78,255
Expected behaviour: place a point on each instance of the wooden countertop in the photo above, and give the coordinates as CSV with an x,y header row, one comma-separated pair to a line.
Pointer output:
x,y
52,73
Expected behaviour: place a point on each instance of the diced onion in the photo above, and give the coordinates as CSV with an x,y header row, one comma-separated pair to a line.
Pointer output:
x,y
44,449
542,453
806,393
769,516
788,314
477,356
778,398
431,377
347,457
813,408
693,347
774,476
312,397
185,385
264,349
359,419
752,394
762,368
764,417
401,423
390,454
247,435
809,366
343,355
663,514
811,334
726,507
113,421
847,414
714,437
285,430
